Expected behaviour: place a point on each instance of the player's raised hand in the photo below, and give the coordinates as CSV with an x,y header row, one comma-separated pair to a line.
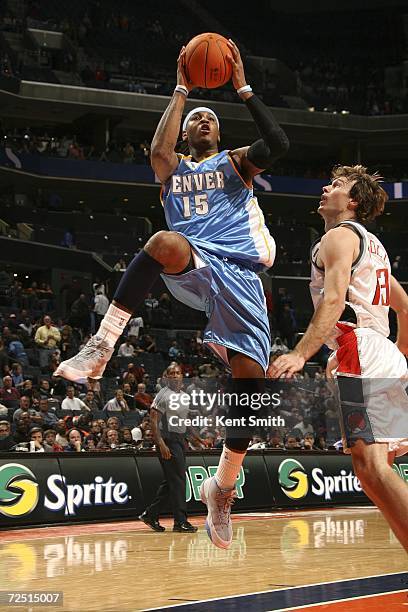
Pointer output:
x,y
238,73
286,366
181,72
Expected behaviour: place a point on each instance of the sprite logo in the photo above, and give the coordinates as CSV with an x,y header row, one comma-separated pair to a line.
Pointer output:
x,y
293,479
18,490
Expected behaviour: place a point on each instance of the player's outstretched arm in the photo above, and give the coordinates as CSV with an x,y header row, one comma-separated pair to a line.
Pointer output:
x,y
163,158
273,143
399,303
337,252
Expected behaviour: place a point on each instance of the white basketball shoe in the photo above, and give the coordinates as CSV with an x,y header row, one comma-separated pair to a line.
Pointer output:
x,y
90,362
218,502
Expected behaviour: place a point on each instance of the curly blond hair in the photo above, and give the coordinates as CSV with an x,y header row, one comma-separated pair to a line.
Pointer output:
x,y
366,191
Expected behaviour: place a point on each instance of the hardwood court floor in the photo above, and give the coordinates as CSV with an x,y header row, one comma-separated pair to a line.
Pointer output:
x,y
115,567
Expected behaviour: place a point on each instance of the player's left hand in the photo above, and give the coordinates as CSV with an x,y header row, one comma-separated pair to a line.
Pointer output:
x,y
238,73
285,366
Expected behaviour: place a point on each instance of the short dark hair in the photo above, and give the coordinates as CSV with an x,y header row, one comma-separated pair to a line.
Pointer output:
x,y
366,191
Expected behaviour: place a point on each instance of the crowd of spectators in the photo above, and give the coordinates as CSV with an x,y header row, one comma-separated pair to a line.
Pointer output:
x,y
329,76
38,142
41,413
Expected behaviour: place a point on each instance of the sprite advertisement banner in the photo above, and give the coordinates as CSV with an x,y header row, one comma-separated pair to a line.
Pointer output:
x,y
50,489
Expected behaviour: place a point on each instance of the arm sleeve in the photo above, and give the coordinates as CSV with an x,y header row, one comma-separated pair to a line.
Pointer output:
x,y
273,143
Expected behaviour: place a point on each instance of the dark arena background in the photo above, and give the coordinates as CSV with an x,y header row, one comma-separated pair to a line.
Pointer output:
x,y
83,85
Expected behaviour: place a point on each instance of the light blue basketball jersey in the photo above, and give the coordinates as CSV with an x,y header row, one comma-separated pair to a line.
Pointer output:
x,y
210,203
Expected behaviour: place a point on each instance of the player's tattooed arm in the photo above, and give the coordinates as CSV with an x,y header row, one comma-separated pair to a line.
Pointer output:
x,y
399,303
164,160
338,249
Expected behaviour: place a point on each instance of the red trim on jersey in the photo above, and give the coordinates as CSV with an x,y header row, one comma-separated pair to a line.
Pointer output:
x,y
347,354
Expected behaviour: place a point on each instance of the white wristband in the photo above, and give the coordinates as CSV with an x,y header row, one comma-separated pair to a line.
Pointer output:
x,y
181,89
244,89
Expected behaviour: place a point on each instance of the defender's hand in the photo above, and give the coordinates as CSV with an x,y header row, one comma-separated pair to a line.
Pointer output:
x,y
285,366
181,73
238,73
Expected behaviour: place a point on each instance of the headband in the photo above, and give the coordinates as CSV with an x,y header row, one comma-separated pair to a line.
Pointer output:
x,y
199,109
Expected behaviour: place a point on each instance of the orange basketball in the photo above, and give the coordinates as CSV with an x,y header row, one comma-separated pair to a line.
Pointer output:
x,y
206,64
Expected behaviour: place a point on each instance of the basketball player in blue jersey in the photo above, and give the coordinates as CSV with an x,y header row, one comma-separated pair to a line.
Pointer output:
x,y
210,258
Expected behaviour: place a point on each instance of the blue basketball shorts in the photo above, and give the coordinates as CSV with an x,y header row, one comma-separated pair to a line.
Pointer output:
x,y
232,297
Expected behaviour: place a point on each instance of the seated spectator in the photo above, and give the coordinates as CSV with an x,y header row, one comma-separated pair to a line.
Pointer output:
x,y
61,437
113,422
275,440
111,439
147,343
49,418
50,443
72,403
174,350
127,437
96,430
309,442
47,338
75,444
22,428
17,351
68,345
128,395
321,443
126,349
44,388
292,443
6,439
27,388
8,392
138,431
25,406
148,383
36,438
95,386
91,401
143,400
304,426
17,374
147,441
131,384
90,443
117,404
278,345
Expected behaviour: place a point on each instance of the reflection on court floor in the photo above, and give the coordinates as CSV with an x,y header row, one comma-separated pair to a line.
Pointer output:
x,y
124,566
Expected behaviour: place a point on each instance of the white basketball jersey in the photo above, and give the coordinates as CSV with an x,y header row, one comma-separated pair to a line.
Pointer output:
x,y
368,295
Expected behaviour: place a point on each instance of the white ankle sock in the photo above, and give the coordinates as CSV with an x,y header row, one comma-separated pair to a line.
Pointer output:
x,y
228,468
113,324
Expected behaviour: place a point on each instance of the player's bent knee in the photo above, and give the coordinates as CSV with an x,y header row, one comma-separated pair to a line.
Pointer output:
x,y
170,249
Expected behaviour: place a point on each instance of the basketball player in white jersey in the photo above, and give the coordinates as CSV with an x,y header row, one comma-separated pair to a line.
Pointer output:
x,y
352,289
